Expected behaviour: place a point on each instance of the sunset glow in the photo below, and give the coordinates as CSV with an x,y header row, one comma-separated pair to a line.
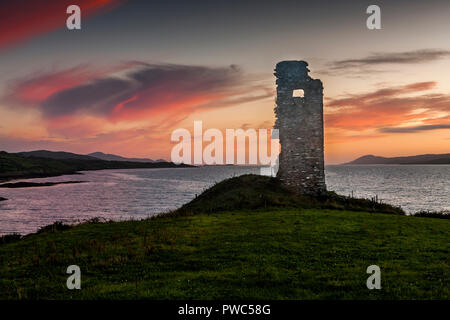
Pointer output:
x,y
122,86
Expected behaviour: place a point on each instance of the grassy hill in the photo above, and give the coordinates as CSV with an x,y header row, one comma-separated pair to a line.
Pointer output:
x,y
246,237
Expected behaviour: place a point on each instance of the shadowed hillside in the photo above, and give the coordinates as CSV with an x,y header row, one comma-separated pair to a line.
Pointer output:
x,y
261,192
17,166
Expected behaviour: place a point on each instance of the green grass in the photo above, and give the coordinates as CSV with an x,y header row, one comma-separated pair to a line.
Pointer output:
x,y
284,252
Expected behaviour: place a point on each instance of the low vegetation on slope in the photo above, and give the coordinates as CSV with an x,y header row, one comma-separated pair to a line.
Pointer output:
x,y
260,192
265,248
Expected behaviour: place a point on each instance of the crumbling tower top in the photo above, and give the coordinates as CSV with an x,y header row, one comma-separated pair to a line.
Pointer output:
x,y
293,75
292,71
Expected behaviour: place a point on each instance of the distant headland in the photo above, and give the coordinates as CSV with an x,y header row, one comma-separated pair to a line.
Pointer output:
x,y
418,159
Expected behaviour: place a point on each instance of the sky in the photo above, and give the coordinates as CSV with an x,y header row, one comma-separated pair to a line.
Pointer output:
x,y
137,70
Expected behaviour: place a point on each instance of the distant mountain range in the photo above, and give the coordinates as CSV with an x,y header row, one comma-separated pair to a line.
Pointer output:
x,y
113,157
44,163
61,155
367,159
57,155
419,159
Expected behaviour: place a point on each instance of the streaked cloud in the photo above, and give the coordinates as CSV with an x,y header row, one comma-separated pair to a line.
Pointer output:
x,y
133,99
146,89
406,57
388,107
371,64
38,86
415,128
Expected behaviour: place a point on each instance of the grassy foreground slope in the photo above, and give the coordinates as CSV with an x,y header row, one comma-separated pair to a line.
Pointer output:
x,y
298,250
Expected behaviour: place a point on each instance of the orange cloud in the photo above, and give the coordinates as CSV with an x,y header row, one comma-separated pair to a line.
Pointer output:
x,y
162,94
386,107
39,86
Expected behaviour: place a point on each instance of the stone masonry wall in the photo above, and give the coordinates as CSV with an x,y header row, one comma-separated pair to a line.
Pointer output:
x,y
300,125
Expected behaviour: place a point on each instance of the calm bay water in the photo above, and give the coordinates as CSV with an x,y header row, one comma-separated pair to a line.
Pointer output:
x,y
413,187
140,193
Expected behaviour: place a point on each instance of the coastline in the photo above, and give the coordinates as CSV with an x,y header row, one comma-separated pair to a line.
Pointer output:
x,y
15,167
24,184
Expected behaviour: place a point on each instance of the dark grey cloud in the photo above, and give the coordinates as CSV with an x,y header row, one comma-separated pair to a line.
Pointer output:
x,y
97,96
415,129
148,86
365,64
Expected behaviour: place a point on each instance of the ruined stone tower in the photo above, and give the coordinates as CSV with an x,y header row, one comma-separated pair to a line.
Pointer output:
x,y
300,125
